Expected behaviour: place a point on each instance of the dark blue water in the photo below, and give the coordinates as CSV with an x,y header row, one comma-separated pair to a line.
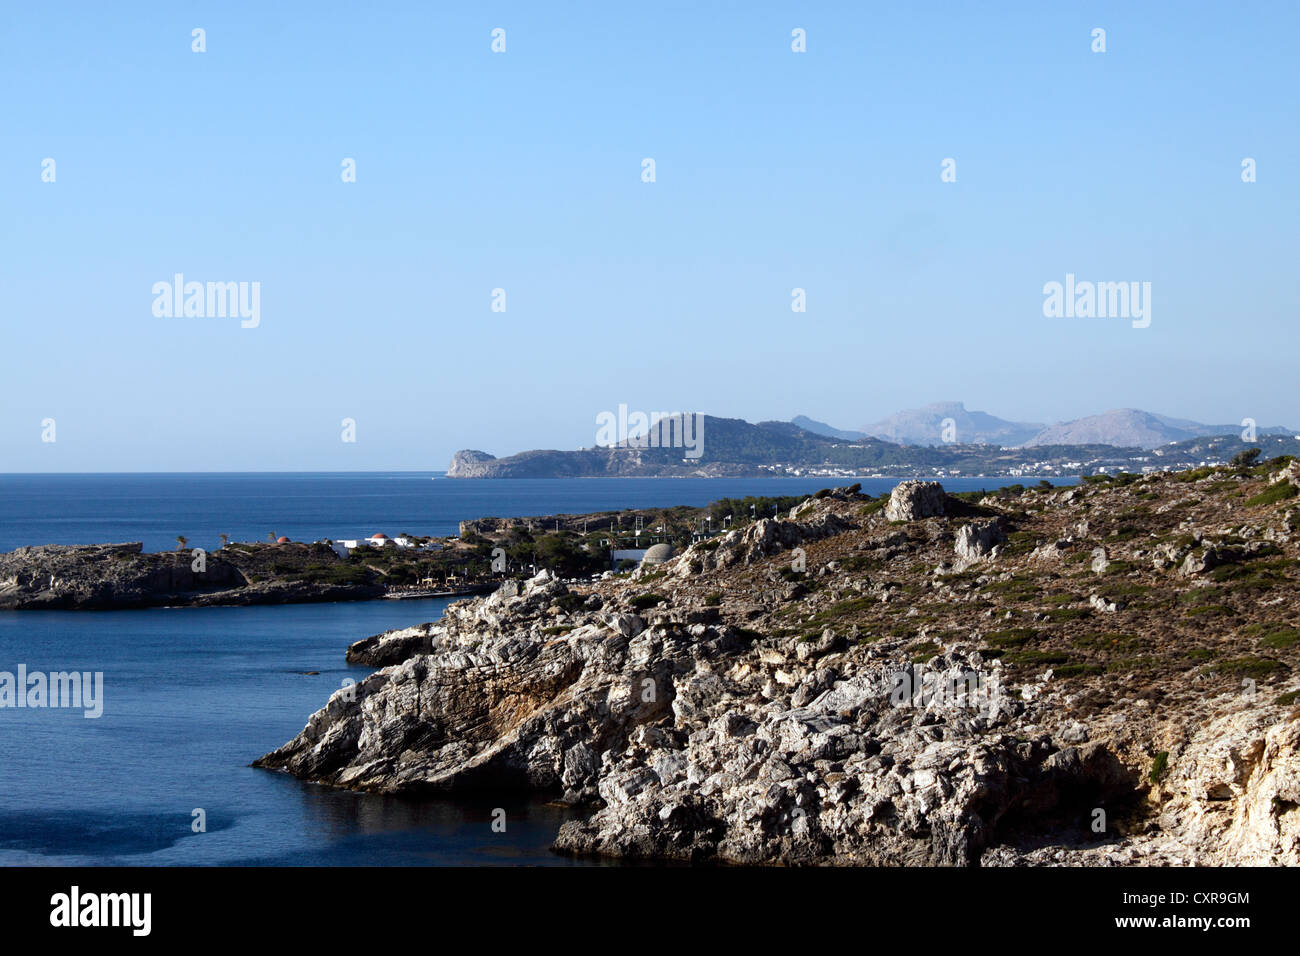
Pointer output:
x,y
193,695
80,509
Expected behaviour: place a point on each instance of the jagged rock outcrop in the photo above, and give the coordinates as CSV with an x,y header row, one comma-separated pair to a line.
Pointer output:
x,y
1290,473
105,575
492,703
859,705
1200,561
469,463
912,500
978,541
390,647
1231,797
854,776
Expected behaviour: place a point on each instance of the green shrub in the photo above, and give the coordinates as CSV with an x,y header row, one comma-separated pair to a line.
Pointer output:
x,y
1274,494
1111,641
923,651
1068,613
1159,767
1036,657
1076,670
568,603
1281,639
1011,637
1253,667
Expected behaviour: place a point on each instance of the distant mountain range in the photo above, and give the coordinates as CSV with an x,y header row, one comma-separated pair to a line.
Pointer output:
x,y
734,447
925,426
1120,427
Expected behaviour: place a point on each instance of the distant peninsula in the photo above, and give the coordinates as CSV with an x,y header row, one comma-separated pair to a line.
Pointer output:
x,y
732,447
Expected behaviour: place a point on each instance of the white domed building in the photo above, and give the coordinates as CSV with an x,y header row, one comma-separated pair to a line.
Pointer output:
x,y
657,554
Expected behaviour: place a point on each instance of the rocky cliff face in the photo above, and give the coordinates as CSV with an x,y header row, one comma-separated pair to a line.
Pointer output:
x,y
959,686
469,463
108,576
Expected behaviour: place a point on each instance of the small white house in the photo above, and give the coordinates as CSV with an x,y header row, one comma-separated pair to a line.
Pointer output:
x,y
345,546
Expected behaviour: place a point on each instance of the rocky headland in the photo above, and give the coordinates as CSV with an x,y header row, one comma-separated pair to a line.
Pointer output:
x,y
1098,675
731,447
119,576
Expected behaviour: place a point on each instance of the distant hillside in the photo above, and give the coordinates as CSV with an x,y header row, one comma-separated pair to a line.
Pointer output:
x,y
925,426
730,446
821,428
1121,428
1135,428
733,447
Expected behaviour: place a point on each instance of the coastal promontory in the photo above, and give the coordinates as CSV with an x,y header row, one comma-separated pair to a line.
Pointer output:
x,y
1104,674
113,576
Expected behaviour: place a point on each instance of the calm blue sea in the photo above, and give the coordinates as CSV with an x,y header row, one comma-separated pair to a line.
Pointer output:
x,y
79,509
193,695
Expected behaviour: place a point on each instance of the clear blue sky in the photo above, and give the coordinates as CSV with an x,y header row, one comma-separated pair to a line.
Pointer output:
x,y
523,171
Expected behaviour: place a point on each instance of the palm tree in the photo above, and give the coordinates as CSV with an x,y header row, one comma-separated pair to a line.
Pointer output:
x,y
182,541
270,536
225,540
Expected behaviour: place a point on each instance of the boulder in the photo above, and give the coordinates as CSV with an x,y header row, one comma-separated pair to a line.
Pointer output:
x,y
1099,603
1198,562
911,500
1290,473
978,540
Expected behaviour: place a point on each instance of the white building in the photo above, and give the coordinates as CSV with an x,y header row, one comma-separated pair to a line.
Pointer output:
x,y
345,546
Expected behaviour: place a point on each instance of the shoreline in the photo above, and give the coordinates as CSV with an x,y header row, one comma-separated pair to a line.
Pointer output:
x,y
929,678
122,576
109,576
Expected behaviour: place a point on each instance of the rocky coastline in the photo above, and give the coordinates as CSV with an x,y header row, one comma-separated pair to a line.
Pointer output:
x,y
1100,675
124,576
